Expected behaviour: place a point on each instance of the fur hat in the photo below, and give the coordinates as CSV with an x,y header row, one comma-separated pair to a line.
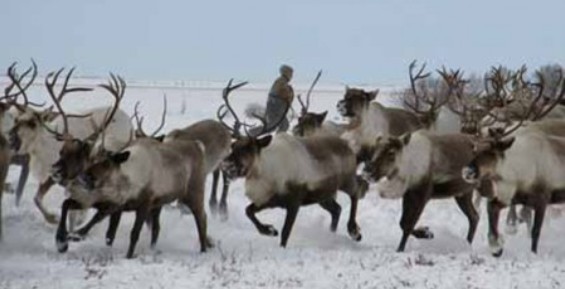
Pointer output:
x,y
286,71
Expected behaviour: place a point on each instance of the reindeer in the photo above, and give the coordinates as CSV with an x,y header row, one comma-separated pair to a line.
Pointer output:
x,y
310,123
507,97
8,113
142,177
420,166
517,175
36,133
76,155
371,119
289,172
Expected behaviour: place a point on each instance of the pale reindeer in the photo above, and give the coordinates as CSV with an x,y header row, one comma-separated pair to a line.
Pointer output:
x,y
76,156
33,134
310,123
518,175
290,172
421,166
8,113
142,177
371,119
506,98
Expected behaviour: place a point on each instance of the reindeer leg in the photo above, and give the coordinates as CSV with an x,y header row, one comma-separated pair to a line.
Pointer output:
x,y
82,232
61,237
224,199
155,226
24,173
334,209
465,203
511,220
113,227
526,217
291,213
213,202
41,192
494,238
263,229
413,204
352,227
140,217
538,222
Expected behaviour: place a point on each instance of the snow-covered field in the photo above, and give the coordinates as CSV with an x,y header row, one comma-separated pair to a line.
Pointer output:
x,y
314,258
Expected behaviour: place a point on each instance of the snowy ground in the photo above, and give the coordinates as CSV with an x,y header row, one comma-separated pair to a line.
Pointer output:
x,y
315,258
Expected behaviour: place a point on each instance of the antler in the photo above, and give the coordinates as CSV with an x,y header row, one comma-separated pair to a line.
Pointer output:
x,y
139,120
17,82
433,101
50,82
224,108
306,106
116,86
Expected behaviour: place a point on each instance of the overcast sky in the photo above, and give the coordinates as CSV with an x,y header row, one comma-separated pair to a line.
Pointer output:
x,y
355,42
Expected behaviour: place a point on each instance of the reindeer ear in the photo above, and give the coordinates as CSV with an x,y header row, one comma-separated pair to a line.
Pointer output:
x,y
405,138
322,116
373,94
160,138
120,157
264,141
503,145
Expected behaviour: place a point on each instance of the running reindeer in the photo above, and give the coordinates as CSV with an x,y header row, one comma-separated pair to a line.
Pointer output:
x,y
146,174
371,119
290,172
36,133
518,176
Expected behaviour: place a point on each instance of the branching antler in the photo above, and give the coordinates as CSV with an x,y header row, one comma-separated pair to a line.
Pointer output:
x,y
306,105
423,98
17,83
50,82
139,120
226,107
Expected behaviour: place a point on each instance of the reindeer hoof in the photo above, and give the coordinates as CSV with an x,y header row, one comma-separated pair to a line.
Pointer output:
x,y
497,253
423,233
269,230
354,232
74,237
62,246
209,243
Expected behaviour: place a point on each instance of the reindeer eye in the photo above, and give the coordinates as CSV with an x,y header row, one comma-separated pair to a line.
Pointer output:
x,y
31,124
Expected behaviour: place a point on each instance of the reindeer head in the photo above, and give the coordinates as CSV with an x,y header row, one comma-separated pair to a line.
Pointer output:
x,y
75,153
488,153
309,123
102,170
355,101
386,158
245,150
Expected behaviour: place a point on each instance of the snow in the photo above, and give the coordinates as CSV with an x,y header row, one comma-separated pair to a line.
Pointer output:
x,y
314,258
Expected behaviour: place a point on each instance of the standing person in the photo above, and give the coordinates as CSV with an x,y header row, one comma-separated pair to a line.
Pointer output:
x,y
280,97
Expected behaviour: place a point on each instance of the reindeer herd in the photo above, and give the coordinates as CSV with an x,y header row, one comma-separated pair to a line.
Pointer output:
x,y
508,146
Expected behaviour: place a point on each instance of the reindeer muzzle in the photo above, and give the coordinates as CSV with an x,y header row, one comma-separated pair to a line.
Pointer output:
x,y
86,181
470,174
342,108
14,141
